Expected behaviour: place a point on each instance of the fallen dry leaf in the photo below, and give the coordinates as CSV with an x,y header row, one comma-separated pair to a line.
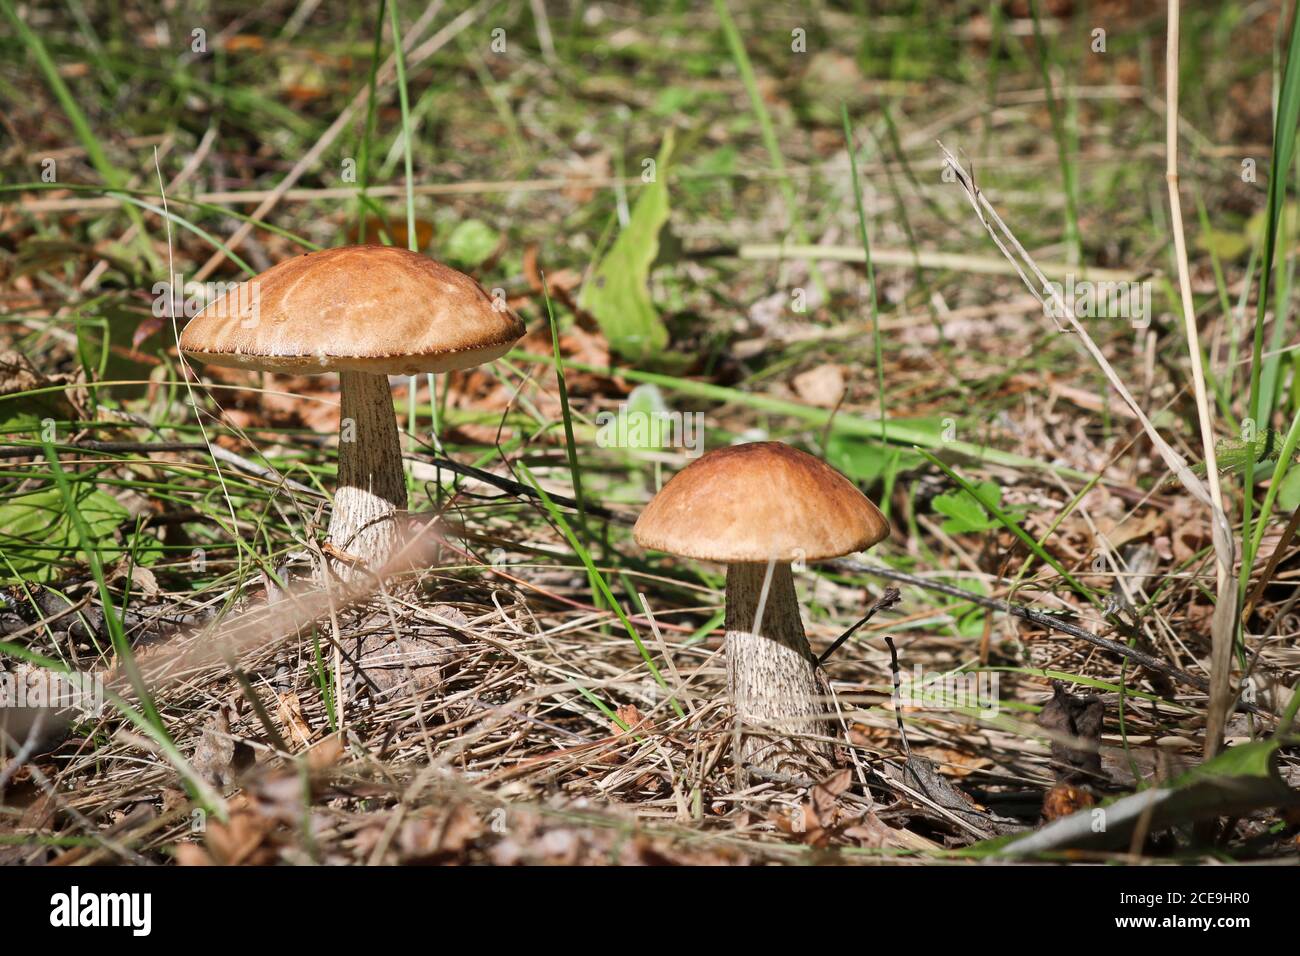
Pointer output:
x,y
439,838
1063,800
1075,723
324,754
248,839
218,756
820,818
289,710
822,385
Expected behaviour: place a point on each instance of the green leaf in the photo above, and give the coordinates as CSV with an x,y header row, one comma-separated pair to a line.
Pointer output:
x,y
646,407
646,400
965,516
618,294
1234,454
1288,493
470,243
23,413
1224,244
970,623
721,162
673,101
37,532
867,461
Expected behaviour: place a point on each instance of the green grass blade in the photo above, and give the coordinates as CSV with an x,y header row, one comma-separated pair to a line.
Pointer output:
x,y
1026,538
871,270
768,132
899,432
90,546
558,517
1284,136
400,58
89,141
570,446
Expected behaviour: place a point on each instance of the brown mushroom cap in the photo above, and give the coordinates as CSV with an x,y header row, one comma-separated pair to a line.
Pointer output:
x,y
758,502
373,309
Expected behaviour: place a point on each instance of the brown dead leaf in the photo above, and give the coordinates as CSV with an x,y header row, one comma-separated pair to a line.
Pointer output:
x,y
863,735
954,763
1075,723
439,838
191,854
325,753
825,796
289,710
821,817
218,756
822,385
558,283
1063,800
242,42
248,839
1131,528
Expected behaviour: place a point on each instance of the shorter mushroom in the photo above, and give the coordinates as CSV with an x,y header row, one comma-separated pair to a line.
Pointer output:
x,y
757,508
366,312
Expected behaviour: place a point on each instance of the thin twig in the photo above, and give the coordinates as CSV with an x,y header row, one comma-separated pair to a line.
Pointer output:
x,y
898,696
1280,552
886,601
1042,620
1221,531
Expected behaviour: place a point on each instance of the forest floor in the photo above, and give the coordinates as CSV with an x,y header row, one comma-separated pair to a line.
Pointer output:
x,y
491,706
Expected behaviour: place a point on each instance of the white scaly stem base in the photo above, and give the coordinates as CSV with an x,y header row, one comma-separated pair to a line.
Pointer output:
x,y
771,674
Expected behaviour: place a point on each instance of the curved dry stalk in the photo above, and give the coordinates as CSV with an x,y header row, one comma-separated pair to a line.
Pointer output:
x,y
1224,620
1223,631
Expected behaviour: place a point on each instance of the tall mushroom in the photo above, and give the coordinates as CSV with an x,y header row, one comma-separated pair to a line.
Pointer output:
x,y
754,507
366,312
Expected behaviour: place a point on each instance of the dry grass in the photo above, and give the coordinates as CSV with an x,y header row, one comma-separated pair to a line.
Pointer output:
x,y
488,708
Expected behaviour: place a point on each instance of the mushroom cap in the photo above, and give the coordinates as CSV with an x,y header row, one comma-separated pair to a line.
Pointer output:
x,y
367,308
758,502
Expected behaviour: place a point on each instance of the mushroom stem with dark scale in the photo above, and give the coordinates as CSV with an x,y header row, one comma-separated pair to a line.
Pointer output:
x,y
369,511
771,671
753,507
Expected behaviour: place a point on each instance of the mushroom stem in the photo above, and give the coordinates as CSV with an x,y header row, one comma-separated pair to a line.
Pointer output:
x,y
771,671
368,518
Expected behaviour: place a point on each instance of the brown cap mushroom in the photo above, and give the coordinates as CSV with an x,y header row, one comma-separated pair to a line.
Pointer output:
x,y
758,502
757,508
365,312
